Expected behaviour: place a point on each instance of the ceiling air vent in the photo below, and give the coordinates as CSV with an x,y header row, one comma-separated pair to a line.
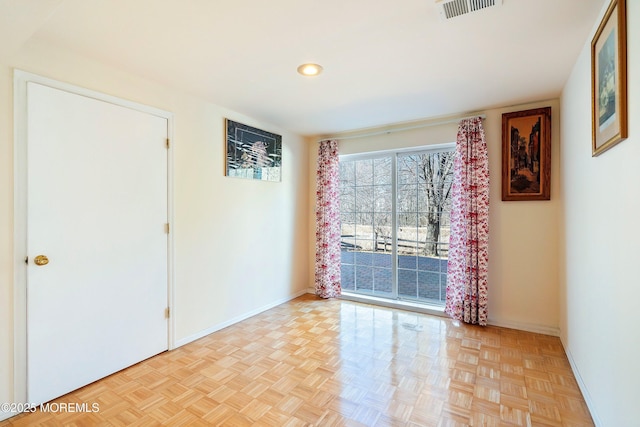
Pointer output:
x,y
451,8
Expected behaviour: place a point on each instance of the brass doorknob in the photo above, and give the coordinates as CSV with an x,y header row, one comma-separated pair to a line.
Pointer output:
x,y
41,260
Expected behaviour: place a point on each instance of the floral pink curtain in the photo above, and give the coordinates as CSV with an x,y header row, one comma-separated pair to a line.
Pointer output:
x,y
328,221
469,240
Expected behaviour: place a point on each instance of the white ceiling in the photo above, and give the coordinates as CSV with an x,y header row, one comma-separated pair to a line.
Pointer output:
x,y
385,61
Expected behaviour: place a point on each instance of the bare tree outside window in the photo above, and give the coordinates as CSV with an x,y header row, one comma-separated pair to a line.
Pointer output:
x,y
434,175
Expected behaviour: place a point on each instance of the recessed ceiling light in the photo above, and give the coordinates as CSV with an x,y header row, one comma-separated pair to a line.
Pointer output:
x,y
310,69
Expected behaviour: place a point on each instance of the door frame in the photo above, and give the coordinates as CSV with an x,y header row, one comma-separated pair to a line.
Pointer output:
x,y
394,300
20,80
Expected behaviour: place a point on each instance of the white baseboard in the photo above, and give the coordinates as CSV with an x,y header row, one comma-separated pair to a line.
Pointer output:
x,y
583,387
439,311
7,415
236,319
528,327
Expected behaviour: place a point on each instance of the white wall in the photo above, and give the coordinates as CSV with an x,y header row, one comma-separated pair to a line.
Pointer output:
x,y
600,282
523,243
240,245
523,240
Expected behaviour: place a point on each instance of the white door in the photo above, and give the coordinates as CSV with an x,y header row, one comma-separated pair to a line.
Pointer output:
x,y
97,208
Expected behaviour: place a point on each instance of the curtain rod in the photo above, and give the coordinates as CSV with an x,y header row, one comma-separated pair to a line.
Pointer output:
x,y
390,131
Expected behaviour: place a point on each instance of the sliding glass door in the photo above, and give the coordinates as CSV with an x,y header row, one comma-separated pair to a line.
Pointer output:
x,y
395,224
366,206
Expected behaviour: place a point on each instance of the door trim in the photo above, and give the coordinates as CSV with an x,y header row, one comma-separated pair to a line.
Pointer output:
x,y
394,299
20,80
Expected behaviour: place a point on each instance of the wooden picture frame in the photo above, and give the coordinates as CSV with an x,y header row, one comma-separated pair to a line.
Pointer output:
x,y
609,79
526,155
253,153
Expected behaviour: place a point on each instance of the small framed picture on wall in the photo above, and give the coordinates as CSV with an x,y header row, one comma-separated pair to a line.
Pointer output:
x,y
253,153
609,79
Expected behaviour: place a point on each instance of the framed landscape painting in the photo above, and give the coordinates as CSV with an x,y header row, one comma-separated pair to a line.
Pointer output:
x,y
253,153
609,79
526,155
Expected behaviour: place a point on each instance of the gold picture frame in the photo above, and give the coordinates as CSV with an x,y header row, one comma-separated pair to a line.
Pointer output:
x,y
609,79
526,155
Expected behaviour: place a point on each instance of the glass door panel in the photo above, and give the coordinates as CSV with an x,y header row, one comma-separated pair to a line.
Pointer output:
x,y
424,203
395,225
367,225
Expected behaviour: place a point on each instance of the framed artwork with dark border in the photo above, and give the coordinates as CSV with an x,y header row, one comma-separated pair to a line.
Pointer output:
x,y
526,155
609,79
253,153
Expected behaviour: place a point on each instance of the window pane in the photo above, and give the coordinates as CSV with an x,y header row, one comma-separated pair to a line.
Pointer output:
x,y
347,277
382,259
382,171
382,280
348,221
407,169
347,174
407,283
382,225
423,197
429,264
429,285
364,239
407,198
364,221
409,242
364,172
382,198
407,261
347,257
364,258
364,199
348,199
348,231
364,278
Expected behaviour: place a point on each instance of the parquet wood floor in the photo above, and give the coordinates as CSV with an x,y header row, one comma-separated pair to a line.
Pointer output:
x,y
313,362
